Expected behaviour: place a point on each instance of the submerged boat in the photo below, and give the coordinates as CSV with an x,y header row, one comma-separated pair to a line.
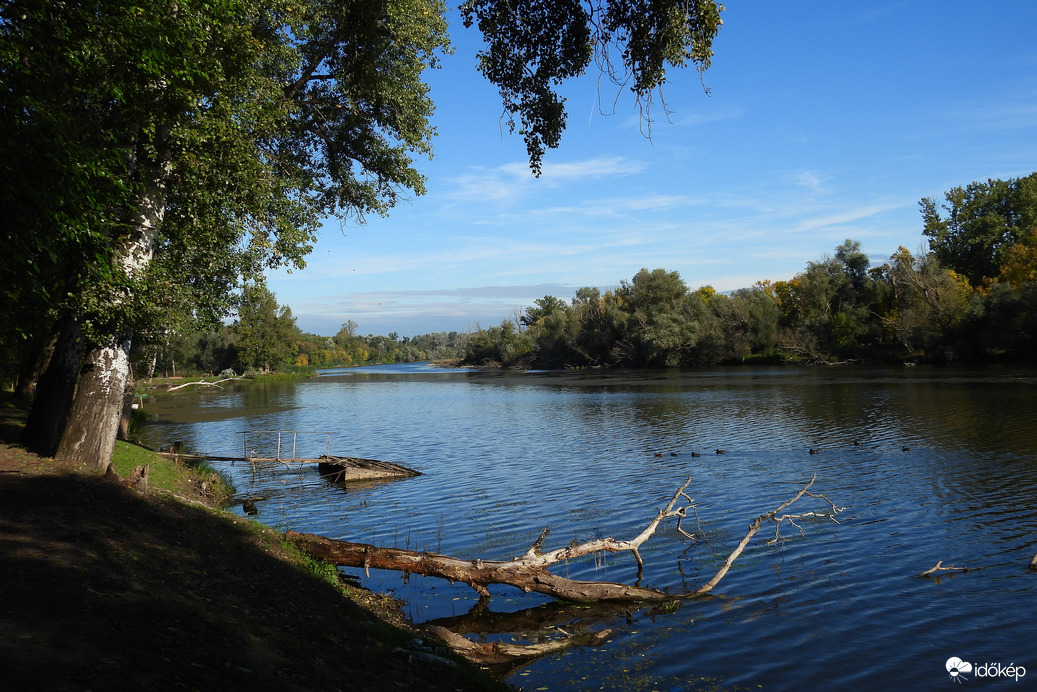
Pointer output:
x,y
341,469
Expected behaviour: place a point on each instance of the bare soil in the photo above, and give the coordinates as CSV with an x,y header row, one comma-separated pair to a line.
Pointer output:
x,y
102,588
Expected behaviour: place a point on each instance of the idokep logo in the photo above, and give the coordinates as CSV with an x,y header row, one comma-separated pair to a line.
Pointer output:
x,y
959,670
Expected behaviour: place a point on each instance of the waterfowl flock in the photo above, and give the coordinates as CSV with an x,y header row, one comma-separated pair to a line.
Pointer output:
x,y
811,450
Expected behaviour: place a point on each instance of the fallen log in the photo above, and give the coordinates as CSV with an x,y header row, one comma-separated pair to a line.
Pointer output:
x,y
529,572
478,574
203,383
496,653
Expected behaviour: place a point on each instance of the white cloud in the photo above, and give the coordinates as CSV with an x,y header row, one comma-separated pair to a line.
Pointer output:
x,y
511,181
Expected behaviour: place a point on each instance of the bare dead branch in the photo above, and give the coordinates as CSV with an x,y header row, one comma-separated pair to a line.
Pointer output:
x,y
529,571
763,519
203,383
940,568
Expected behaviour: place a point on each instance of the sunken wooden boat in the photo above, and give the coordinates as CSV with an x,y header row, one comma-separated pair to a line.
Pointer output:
x,y
344,469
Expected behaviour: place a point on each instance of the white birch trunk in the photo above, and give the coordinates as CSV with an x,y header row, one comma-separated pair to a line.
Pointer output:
x,y
93,423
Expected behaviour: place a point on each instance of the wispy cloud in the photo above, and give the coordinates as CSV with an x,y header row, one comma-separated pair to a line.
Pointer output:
x,y
811,180
512,181
461,307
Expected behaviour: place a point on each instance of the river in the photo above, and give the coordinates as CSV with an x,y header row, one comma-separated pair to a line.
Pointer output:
x,y
931,464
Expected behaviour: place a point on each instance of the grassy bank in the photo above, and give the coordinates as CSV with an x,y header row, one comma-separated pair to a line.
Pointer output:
x,y
104,588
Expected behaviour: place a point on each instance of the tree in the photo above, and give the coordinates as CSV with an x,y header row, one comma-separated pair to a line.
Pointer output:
x,y
266,333
178,151
928,301
219,133
543,308
983,221
666,318
855,265
1020,263
746,324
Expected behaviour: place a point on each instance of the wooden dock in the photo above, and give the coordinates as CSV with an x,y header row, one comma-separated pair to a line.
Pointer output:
x,y
337,469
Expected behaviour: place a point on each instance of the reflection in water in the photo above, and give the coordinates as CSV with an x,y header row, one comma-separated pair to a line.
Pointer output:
x,y
594,454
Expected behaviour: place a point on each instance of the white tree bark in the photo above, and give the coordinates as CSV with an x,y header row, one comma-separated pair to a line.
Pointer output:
x,y
93,423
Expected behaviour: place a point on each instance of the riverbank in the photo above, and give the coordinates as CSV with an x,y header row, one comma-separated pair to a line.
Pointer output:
x,y
104,588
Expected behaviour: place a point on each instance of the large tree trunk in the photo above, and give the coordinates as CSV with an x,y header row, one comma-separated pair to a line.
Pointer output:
x,y
31,368
93,423
521,573
54,392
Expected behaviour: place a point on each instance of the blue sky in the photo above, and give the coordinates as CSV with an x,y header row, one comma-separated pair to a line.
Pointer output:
x,y
823,121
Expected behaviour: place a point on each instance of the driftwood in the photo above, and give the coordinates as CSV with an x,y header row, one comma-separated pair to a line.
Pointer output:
x,y
940,568
551,626
203,383
493,653
529,572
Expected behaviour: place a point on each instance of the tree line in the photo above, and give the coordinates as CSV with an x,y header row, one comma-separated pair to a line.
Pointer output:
x,y
264,338
971,297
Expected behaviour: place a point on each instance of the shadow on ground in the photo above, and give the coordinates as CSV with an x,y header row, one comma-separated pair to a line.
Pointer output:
x,y
101,588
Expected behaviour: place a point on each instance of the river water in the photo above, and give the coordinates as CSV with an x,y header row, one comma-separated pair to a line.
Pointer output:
x,y
931,465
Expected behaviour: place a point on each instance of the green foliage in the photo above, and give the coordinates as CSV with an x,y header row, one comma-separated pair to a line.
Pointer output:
x,y
266,334
503,345
983,221
325,571
533,46
836,310
156,158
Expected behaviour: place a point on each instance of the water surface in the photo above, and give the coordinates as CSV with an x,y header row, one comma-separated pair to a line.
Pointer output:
x,y
931,464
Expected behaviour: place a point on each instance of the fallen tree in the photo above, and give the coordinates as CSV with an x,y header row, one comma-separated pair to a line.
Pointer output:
x,y
204,383
529,571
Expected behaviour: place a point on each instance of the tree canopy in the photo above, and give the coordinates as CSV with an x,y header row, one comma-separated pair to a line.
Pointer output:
x,y
535,45
980,223
155,159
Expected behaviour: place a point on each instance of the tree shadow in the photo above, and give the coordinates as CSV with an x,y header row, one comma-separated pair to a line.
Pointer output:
x,y
102,588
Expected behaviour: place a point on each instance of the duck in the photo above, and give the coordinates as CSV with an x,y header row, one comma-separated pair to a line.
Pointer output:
x,y
815,451
856,443
721,451
695,454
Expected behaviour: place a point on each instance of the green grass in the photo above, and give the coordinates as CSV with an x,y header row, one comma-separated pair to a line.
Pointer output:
x,y
169,474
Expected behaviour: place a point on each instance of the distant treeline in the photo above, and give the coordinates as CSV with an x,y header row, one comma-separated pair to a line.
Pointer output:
x,y
265,338
971,297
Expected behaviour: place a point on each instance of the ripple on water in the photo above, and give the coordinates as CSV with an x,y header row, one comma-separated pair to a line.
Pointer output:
x,y
837,607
